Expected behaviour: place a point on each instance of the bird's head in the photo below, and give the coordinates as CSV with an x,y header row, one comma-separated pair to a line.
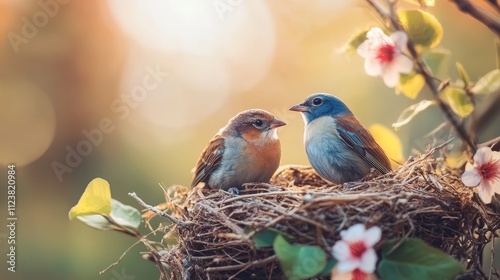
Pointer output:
x,y
319,105
255,125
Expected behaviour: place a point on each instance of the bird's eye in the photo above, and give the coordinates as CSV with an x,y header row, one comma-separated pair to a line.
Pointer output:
x,y
258,123
317,101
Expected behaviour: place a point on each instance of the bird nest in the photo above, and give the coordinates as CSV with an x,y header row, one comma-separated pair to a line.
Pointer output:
x,y
421,199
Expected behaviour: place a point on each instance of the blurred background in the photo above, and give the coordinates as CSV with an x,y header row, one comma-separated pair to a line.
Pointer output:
x,y
132,91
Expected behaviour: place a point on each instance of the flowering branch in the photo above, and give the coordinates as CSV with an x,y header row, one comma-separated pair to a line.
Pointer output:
x,y
424,71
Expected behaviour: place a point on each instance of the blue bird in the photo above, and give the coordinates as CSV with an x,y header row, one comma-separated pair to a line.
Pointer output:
x,y
339,148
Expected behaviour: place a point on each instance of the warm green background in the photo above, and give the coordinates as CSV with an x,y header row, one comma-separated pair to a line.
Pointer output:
x,y
261,54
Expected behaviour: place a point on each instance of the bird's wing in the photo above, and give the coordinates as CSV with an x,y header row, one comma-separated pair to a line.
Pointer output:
x,y
362,143
209,160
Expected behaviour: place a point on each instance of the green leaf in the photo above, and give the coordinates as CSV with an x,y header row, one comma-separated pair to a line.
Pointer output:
x,y
488,83
423,28
266,237
437,60
409,113
414,259
459,102
328,268
410,84
96,221
463,74
123,215
96,199
357,39
299,261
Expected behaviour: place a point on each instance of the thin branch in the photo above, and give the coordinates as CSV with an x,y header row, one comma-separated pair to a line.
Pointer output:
x,y
467,7
490,142
494,4
121,257
157,211
492,257
243,265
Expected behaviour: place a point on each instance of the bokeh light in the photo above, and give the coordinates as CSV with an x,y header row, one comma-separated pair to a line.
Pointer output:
x,y
28,122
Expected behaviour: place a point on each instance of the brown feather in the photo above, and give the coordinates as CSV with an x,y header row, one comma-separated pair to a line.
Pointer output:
x,y
209,160
369,150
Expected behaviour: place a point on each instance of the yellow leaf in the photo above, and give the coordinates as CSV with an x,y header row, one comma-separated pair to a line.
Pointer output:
x,y
459,102
463,74
410,84
389,142
96,199
423,28
357,39
456,159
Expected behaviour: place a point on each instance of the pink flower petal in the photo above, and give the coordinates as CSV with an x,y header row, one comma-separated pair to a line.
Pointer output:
x,y
485,192
341,251
471,178
403,64
372,236
469,166
400,39
378,35
354,233
390,77
348,265
373,67
495,185
364,49
482,156
368,261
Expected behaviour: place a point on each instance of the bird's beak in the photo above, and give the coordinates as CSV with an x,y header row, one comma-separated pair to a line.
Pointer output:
x,y
299,108
277,123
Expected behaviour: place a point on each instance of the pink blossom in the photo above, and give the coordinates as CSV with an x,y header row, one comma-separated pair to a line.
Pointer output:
x,y
485,172
355,253
356,274
384,55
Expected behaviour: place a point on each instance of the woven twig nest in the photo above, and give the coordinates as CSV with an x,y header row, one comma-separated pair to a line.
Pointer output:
x,y
421,199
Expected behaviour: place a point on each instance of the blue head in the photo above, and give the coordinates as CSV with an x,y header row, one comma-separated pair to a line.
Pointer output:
x,y
321,104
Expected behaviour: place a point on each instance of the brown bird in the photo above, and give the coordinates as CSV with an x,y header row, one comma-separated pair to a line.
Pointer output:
x,y
246,150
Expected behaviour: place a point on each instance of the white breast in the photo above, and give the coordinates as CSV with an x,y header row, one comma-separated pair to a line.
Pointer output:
x,y
320,130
